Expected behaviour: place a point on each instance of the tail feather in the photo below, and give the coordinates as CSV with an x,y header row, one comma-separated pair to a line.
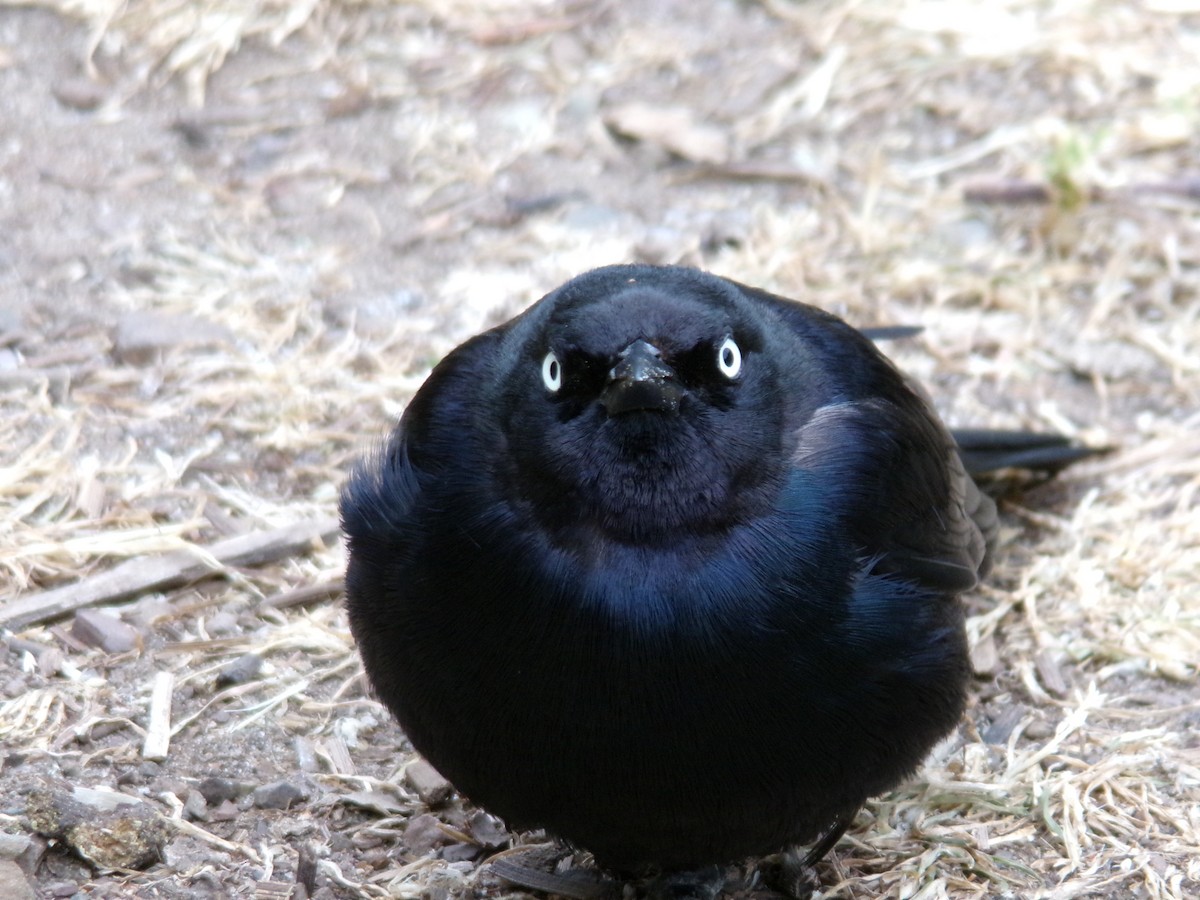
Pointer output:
x,y
985,450
891,332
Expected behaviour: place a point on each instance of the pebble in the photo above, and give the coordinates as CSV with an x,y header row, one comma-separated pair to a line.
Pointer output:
x,y
278,795
13,845
998,732
243,669
487,830
227,811
194,807
1039,730
106,828
423,833
13,883
80,93
216,790
97,628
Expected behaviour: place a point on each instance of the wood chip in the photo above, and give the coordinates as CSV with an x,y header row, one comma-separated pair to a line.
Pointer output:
x,y
985,660
339,755
158,733
427,782
1050,673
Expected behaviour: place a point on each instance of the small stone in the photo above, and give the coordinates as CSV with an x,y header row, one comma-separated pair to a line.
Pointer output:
x,y
14,687
14,759
100,629
13,883
108,829
216,790
458,852
1039,730
60,889
278,795
1000,729
80,93
487,830
194,807
31,857
423,833
226,812
428,783
13,845
243,669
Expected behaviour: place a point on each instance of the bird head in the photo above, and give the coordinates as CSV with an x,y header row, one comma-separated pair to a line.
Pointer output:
x,y
642,404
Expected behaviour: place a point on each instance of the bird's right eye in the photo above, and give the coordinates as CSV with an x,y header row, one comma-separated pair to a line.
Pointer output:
x,y
552,372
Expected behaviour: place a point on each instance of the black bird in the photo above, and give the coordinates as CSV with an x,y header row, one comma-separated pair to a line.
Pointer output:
x,y
669,566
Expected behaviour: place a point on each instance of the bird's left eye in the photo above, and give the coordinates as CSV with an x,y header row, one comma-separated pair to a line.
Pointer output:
x,y
729,358
552,372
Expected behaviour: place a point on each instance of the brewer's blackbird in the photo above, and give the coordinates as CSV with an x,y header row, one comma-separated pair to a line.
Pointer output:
x,y
669,566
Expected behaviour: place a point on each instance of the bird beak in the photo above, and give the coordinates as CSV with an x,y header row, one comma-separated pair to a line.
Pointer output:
x,y
641,380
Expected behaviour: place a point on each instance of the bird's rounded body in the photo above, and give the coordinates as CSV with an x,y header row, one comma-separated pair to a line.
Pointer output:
x,y
667,566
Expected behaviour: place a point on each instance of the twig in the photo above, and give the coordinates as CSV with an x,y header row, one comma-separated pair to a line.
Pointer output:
x,y
176,821
1015,191
302,596
137,576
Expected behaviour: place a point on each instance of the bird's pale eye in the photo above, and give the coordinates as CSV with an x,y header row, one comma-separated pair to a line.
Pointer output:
x,y
552,372
729,358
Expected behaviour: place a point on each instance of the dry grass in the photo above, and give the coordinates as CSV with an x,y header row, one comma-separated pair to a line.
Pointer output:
x,y
850,131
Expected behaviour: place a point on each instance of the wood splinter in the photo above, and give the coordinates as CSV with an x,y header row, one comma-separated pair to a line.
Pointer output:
x,y
158,732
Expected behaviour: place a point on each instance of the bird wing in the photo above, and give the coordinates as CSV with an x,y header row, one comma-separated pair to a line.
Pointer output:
x,y
902,496
379,498
882,456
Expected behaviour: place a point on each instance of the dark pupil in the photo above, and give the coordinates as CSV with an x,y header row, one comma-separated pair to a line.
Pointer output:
x,y
554,370
727,357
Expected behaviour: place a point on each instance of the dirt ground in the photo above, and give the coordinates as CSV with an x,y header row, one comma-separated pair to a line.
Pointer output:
x,y
236,236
